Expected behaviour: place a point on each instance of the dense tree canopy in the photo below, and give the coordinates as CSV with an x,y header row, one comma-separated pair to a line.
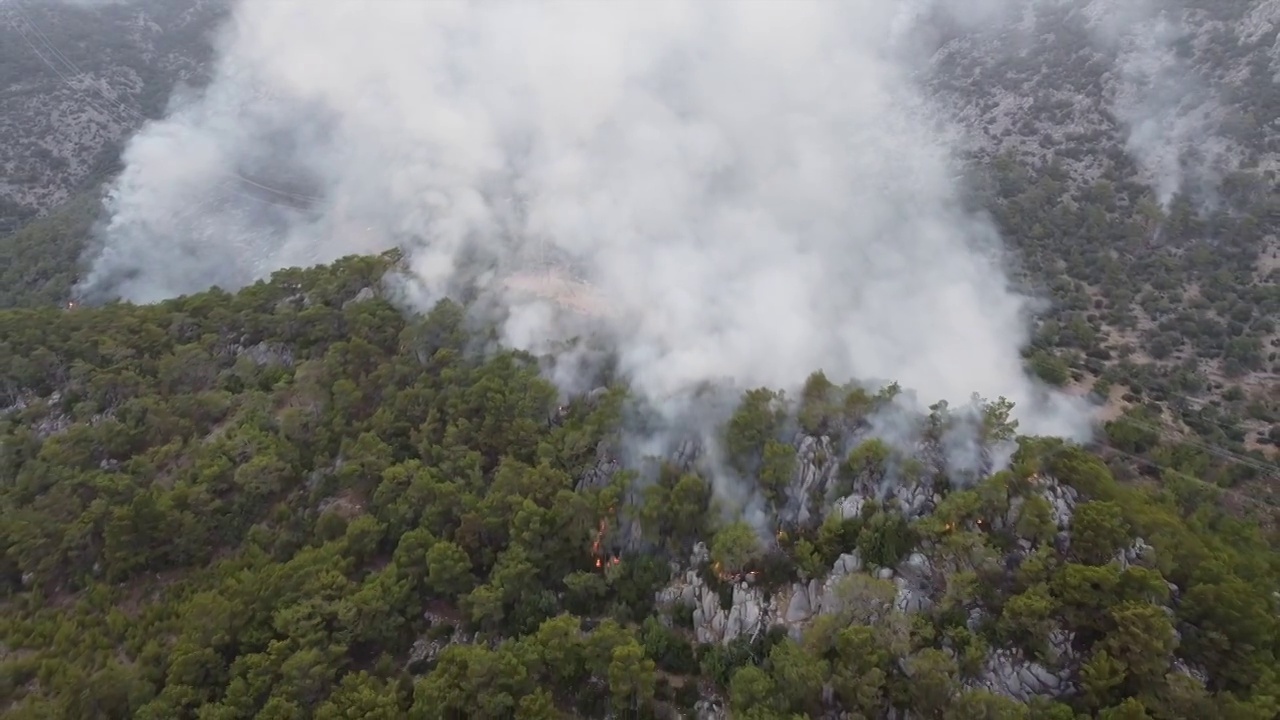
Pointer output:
x,y
285,503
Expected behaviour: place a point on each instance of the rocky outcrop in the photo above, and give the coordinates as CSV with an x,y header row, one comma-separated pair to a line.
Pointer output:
x,y
600,472
442,631
710,709
1138,553
915,498
48,418
751,611
915,582
366,294
809,495
1062,501
1194,672
1008,673
817,462
265,354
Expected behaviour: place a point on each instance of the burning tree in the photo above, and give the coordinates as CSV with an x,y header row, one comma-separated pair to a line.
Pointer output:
x,y
603,559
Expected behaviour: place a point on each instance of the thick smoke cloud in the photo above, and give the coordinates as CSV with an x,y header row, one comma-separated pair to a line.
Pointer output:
x,y
752,189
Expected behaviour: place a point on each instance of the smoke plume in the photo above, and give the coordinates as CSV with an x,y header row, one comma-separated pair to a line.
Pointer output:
x,y
749,189
1171,119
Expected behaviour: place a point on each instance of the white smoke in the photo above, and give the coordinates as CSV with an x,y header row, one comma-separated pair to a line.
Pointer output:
x,y
754,189
1171,118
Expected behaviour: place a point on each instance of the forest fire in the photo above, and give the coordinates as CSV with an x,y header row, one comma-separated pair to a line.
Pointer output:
x,y
748,575
597,545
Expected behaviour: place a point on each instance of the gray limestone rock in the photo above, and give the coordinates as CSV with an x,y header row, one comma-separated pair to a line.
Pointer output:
x,y
265,354
364,295
1138,553
687,454
600,473
814,477
1008,673
710,709
850,506
847,563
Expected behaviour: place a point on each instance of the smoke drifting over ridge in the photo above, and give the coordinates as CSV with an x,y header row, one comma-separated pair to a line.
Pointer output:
x,y
1170,118
755,189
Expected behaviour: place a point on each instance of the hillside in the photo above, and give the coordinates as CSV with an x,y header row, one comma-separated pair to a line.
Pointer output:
x,y
1163,303
76,79
320,495
296,501
1166,303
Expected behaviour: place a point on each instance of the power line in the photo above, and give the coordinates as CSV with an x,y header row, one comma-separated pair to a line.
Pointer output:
x,y
79,73
128,111
1225,491
1244,498
1264,467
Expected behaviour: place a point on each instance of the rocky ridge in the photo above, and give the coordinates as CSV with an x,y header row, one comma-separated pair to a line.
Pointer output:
x,y
744,608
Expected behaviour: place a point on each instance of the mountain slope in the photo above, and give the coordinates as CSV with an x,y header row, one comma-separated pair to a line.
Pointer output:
x,y
297,502
77,80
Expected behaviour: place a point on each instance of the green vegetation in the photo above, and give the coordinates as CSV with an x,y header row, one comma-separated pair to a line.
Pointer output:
x,y
38,263
285,504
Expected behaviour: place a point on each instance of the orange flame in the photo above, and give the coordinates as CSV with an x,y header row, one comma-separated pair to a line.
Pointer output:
x,y
727,576
596,544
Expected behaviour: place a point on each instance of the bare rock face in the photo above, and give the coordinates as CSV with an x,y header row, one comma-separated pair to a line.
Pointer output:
x,y
426,650
50,420
265,354
800,604
1008,673
816,464
850,506
700,554
601,472
915,582
749,613
687,454
710,709
1194,672
915,499
816,478
1062,504
364,295
1138,553
17,402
